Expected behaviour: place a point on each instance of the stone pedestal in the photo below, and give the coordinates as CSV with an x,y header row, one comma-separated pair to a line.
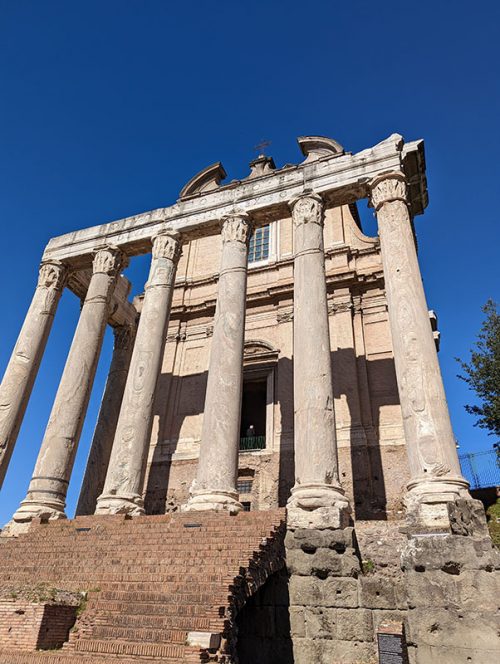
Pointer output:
x,y
436,477
215,485
317,499
122,493
22,369
104,434
48,487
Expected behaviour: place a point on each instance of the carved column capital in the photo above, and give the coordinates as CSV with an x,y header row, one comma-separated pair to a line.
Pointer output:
x,y
387,188
109,260
124,336
52,274
167,245
307,208
236,227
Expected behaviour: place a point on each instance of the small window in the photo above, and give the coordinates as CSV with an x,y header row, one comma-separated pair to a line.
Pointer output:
x,y
246,507
244,486
259,245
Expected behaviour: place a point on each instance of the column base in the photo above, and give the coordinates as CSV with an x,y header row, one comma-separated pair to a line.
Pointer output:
x,y
131,504
202,501
320,506
27,511
429,503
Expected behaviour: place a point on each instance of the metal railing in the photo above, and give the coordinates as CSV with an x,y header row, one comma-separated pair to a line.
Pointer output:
x,y
481,469
253,443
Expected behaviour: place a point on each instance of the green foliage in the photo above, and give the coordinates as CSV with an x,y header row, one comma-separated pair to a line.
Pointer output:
x,y
493,514
368,566
482,372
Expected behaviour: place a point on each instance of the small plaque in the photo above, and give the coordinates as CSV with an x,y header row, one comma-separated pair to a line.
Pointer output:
x,y
392,644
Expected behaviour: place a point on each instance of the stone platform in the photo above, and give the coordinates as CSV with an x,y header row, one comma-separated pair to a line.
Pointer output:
x,y
159,588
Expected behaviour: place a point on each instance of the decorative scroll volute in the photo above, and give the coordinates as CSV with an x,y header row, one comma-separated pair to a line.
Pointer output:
x,y
236,227
167,245
307,209
387,188
108,260
52,274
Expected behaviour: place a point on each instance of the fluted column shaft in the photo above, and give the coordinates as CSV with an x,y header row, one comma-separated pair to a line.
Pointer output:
x,y
22,369
317,499
102,441
433,460
215,483
48,487
122,491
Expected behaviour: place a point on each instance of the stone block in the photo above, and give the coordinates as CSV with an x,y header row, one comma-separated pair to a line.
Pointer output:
x,y
450,553
469,590
297,622
378,593
306,651
321,563
464,634
335,592
387,615
346,652
310,539
321,623
354,624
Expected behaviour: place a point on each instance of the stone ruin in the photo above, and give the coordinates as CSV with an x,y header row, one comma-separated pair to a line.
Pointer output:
x,y
278,358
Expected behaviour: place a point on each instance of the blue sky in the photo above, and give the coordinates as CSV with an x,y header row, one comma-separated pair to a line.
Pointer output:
x,y
109,107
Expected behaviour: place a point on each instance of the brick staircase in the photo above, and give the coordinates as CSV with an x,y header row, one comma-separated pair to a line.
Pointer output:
x,y
150,580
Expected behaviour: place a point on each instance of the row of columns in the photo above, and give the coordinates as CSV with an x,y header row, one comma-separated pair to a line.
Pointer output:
x,y
124,425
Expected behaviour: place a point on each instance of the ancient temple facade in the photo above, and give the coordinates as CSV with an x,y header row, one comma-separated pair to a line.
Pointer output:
x,y
278,357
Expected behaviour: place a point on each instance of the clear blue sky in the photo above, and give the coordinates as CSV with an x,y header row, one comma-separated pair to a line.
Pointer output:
x,y
110,106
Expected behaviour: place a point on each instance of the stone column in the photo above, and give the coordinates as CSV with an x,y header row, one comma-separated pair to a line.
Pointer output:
x,y
317,499
48,487
122,493
215,485
22,369
102,441
435,473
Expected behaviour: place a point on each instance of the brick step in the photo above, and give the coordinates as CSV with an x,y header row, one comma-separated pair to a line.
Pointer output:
x,y
147,608
16,657
172,650
139,634
164,598
174,622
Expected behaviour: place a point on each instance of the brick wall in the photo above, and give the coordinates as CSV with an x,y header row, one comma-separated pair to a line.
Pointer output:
x,y
28,625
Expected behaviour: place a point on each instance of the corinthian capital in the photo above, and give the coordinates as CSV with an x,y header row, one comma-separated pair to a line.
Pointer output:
x,y
124,336
387,188
108,260
167,245
236,227
52,274
307,209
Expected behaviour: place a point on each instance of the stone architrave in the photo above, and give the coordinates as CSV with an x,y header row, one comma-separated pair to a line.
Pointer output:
x,y
102,441
215,485
435,473
122,493
48,487
317,499
22,369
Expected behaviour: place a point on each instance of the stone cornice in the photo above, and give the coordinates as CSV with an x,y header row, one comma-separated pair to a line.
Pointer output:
x,y
339,180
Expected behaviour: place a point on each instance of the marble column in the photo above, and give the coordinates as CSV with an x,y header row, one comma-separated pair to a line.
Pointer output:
x,y
215,485
48,487
22,369
122,493
435,473
317,499
102,441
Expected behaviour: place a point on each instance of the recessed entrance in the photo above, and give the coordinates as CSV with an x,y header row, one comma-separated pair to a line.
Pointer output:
x,y
253,413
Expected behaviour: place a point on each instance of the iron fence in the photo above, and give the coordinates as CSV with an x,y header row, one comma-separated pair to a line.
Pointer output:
x,y
253,443
481,469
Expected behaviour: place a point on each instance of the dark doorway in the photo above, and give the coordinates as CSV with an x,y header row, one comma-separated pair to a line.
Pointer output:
x,y
253,413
